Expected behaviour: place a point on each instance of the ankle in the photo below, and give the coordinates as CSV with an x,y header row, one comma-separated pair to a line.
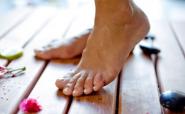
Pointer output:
x,y
110,11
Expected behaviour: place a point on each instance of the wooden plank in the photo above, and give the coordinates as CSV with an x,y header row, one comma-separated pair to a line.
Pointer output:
x,y
84,20
138,89
171,63
10,86
52,100
174,11
23,85
57,69
11,18
20,36
29,27
51,73
102,102
179,27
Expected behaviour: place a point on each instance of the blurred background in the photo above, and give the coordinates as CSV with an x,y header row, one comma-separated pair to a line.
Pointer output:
x,y
153,8
4,4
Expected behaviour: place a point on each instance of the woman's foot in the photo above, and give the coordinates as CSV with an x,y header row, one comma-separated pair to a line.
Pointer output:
x,y
63,49
119,26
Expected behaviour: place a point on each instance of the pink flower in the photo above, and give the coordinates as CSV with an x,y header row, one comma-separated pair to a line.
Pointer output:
x,y
3,71
30,105
2,68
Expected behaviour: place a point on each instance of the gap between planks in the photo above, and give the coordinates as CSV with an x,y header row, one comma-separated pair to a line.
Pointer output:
x,y
60,68
170,65
26,31
13,18
17,17
173,13
15,84
55,29
170,40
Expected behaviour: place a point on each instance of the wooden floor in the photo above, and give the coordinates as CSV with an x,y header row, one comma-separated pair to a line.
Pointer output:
x,y
135,90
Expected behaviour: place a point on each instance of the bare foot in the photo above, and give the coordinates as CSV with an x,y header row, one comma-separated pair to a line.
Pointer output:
x,y
118,28
63,49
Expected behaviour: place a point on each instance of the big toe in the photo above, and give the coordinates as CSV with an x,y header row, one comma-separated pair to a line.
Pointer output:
x,y
60,83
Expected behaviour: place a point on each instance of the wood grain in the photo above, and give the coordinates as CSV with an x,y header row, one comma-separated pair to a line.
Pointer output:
x,y
102,102
20,36
21,85
138,88
56,69
138,92
169,33
41,91
47,94
179,27
174,12
171,63
9,19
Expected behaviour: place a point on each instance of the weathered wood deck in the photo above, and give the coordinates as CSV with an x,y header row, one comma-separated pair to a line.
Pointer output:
x,y
135,90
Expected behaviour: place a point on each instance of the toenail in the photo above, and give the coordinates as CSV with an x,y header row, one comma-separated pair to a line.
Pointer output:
x,y
75,93
66,90
85,91
95,88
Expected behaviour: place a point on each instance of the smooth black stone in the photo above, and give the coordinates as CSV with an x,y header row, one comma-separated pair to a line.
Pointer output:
x,y
173,100
149,50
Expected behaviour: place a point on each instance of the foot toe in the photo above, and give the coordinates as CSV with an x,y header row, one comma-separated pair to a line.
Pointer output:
x,y
98,82
88,86
79,87
60,83
68,89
